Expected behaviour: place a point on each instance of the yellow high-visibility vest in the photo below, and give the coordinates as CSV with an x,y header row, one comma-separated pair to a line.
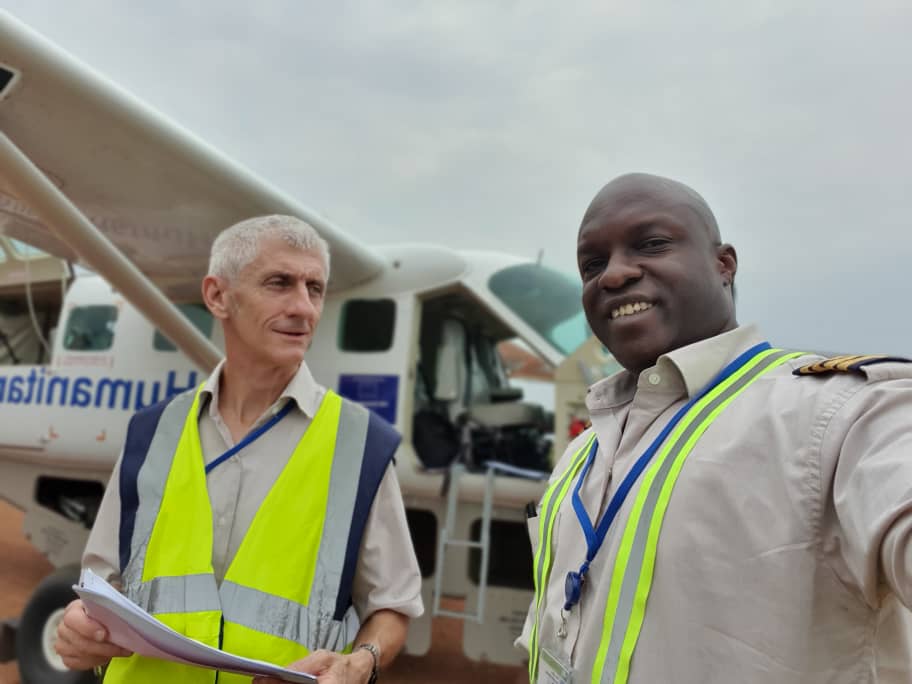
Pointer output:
x,y
287,590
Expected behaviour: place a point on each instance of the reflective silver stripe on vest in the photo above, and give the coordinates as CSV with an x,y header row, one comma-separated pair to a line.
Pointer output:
x,y
351,439
555,501
183,594
280,617
544,551
150,486
637,551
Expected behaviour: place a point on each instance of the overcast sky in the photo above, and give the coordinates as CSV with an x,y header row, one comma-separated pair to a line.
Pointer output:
x,y
492,124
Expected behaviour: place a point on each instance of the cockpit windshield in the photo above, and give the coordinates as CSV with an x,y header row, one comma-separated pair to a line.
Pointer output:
x,y
547,300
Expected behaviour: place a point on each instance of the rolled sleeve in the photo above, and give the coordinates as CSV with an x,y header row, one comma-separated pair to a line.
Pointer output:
x,y
387,574
102,551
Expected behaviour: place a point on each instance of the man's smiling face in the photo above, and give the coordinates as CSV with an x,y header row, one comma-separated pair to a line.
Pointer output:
x,y
655,277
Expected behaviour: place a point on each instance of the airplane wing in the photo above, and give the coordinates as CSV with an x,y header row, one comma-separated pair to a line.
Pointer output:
x,y
158,193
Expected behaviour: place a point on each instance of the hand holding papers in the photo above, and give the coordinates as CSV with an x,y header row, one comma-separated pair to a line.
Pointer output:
x,y
130,627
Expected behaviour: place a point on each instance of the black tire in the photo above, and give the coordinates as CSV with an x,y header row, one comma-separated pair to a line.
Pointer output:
x,y
52,595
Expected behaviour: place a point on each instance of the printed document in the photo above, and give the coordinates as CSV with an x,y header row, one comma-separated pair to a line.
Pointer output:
x,y
130,627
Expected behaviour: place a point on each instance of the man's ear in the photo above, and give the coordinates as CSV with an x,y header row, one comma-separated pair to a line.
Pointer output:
x,y
727,259
215,296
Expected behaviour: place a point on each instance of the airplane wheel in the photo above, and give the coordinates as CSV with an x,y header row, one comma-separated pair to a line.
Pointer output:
x,y
38,661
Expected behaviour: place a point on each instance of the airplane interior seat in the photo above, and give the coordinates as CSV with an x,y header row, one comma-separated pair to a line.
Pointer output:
x,y
506,414
438,392
451,372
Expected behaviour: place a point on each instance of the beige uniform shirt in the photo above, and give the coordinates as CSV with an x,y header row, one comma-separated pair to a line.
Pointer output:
x,y
387,574
785,545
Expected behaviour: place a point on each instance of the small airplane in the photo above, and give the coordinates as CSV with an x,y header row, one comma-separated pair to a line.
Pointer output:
x,y
91,178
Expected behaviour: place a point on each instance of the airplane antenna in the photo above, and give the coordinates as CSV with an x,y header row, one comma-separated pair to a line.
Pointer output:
x,y
541,255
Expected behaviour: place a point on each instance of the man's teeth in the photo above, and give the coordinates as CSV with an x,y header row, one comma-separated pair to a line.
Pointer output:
x,y
628,309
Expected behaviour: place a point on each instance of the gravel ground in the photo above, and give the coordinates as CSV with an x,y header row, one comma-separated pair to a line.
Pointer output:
x,y
22,568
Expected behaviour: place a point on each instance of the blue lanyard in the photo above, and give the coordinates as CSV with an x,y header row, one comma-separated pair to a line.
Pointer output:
x,y
595,537
251,436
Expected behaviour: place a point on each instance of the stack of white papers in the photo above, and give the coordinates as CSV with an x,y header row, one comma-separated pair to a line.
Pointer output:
x,y
130,627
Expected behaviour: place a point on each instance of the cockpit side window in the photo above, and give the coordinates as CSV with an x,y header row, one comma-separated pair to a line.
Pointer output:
x,y
548,301
367,325
90,328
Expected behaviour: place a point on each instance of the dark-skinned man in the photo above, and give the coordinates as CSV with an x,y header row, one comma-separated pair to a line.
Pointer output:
x,y
736,512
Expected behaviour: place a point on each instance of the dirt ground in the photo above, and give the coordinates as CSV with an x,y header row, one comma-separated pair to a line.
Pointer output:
x,y
22,568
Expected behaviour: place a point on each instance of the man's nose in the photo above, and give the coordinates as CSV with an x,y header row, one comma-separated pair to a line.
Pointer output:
x,y
619,271
301,303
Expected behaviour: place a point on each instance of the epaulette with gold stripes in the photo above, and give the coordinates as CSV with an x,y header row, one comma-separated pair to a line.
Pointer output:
x,y
847,364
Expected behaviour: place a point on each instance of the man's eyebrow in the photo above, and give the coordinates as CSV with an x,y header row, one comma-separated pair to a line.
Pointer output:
x,y
308,276
632,230
660,222
644,226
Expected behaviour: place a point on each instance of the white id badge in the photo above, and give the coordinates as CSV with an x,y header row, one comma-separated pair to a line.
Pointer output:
x,y
553,669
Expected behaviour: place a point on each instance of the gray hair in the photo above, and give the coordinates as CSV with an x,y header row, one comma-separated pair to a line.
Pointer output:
x,y
237,246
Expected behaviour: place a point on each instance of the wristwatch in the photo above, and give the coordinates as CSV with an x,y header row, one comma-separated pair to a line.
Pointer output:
x,y
375,654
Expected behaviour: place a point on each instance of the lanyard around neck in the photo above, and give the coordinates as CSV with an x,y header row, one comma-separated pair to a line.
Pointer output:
x,y
595,535
251,436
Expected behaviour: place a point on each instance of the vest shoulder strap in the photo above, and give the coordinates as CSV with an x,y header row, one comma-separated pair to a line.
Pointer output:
x,y
380,445
140,431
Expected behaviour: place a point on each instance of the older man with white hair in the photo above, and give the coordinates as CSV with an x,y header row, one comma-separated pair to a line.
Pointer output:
x,y
258,513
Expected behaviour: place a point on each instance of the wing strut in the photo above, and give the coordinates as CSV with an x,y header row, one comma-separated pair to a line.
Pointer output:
x,y
73,228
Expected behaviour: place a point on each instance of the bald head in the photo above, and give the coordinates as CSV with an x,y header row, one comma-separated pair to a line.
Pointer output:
x,y
635,187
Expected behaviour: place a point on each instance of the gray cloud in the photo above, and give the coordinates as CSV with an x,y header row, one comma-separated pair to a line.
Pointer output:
x,y
494,123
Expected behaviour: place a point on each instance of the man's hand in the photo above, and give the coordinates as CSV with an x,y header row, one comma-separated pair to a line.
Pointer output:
x,y
385,629
332,668
83,642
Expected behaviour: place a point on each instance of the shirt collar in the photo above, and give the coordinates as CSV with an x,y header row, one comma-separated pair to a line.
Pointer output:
x,y
302,388
685,370
700,362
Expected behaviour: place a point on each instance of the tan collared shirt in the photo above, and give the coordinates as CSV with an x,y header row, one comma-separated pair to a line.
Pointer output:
x,y
786,543
387,574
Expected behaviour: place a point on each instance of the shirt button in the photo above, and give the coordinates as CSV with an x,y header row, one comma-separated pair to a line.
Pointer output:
x,y
222,521
654,378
